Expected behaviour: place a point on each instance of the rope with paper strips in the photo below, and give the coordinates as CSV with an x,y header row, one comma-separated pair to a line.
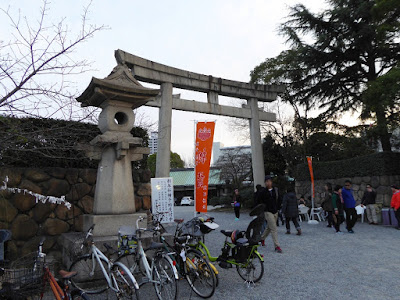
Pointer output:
x,y
38,197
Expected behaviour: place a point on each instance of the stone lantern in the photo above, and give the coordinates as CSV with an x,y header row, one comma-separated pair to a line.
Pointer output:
x,y
117,95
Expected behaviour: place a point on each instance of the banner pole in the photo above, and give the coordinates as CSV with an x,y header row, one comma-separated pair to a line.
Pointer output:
x,y
310,166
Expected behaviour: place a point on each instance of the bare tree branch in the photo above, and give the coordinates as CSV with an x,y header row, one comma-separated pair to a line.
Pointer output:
x,y
35,66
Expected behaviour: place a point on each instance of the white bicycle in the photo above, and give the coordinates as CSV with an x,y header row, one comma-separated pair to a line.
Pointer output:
x,y
96,273
158,268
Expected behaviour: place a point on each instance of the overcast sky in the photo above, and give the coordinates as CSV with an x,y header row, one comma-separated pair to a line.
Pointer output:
x,y
214,37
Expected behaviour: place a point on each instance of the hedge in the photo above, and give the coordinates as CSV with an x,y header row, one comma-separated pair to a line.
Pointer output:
x,y
37,143
383,163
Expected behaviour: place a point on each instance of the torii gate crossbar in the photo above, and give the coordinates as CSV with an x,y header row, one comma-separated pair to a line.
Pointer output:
x,y
168,77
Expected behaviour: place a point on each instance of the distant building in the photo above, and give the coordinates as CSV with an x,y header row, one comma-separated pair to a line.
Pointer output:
x,y
153,142
216,152
183,180
219,150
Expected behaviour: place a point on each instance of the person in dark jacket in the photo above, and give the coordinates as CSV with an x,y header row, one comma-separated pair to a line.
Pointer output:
x,y
257,201
257,195
269,197
237,203
368,200
337,208
327,203
290,209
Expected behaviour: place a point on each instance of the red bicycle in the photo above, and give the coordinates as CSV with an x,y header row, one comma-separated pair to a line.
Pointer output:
x,y
29,277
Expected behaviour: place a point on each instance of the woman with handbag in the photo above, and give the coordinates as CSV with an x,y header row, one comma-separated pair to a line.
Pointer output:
x,y
237,199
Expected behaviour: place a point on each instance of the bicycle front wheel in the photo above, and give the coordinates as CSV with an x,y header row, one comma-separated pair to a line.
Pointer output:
x,y
165,282
204,252
252,270
199,274
90,277
127,287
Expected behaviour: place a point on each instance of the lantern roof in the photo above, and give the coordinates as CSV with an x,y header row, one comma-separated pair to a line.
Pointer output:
x,y
120,86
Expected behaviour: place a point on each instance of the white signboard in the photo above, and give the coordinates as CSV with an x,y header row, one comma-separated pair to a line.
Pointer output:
x,y
162,199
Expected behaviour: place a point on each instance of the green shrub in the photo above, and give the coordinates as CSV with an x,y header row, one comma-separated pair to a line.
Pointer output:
x,y
247,197
384,163
38,143
223,200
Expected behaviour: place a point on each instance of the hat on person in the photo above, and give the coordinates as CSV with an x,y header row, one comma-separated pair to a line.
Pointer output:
x,y
394,186
268,177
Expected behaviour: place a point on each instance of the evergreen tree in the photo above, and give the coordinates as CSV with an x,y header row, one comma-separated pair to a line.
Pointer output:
x,y
342,59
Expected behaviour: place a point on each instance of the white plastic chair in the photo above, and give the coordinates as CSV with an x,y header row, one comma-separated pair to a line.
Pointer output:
x,y
360,211
317,212
303,211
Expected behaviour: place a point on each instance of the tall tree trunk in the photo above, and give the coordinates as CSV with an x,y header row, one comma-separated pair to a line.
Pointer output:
x,y
381,122
383,131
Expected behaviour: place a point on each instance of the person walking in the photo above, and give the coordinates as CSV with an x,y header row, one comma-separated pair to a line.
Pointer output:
x,y
368,201
349,206
269,197
337,208
327,203
395,203
290,208
237,203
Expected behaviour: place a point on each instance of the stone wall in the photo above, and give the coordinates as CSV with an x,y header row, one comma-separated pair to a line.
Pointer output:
x,y
29,221
380,183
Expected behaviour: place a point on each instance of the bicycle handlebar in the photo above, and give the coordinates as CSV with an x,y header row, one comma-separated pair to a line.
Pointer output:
x,y
88,234
40,249
140,219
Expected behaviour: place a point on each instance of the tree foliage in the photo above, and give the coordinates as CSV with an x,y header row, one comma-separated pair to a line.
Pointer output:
x,y
339,58
176,162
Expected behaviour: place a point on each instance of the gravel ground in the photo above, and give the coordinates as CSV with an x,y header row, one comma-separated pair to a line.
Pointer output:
x,y
317,265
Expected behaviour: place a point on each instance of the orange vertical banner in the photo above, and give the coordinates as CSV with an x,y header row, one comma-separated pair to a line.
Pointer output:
x,y
203,149
310,167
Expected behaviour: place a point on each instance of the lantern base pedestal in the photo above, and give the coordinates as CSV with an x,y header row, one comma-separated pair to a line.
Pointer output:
x,y
108,225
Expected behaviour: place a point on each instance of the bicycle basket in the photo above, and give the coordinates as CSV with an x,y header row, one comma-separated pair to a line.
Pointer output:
x,y
207,227
79,245
23,277
127,241
192,227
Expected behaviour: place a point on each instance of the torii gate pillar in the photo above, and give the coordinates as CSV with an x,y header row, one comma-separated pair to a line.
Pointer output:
x,y
163,161
256,145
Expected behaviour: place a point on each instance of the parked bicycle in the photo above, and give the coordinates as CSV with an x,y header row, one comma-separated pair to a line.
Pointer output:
x,y
239,249
191,264
96,273
31,275
158,269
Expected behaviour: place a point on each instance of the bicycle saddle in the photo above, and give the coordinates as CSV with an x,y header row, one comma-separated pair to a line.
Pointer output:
x,y
227,233
67,275
179,221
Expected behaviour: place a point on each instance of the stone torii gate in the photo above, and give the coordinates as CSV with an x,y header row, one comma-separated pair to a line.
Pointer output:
x,y
168,77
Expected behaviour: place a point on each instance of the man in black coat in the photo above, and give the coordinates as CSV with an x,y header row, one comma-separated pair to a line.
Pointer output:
x,y
269,196
368,200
